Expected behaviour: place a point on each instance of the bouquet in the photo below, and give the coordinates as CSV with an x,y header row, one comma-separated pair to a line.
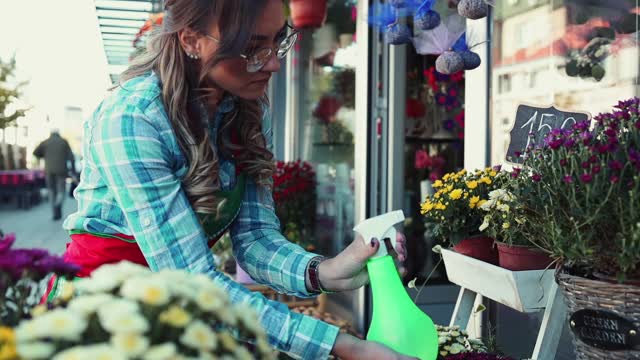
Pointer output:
x,y
452,340
21,273
125,311
587,187
454,210
294,193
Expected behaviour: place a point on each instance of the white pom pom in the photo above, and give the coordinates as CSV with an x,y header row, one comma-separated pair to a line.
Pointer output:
x,y
473,9
449,62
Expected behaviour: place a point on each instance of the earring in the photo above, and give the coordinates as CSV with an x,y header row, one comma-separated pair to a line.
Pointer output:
x,y
193,56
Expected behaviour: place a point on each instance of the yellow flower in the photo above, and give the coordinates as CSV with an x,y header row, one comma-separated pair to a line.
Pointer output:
x,y
426,207
437,184
472,184
446,176
175,316
493,173
456,194
438,194
462,172
441,206
473,202
449,187
465,195
485,180
506,225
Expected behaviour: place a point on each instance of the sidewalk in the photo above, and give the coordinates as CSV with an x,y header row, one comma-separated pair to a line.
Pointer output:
x,y
34,227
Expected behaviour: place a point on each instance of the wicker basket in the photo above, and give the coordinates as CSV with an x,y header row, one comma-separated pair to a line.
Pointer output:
x,y
622,299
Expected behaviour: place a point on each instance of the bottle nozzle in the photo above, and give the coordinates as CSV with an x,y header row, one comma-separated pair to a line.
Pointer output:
x,y
380,227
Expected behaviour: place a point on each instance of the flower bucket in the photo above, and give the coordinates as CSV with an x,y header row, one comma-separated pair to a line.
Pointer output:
x,y
521,258
618,300
308,13
480,248
242,276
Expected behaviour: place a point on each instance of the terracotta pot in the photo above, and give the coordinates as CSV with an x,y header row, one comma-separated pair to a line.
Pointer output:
x,y
521,258
308,13
480,248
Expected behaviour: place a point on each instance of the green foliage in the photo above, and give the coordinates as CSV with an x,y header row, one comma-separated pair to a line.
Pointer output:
x,y
9,94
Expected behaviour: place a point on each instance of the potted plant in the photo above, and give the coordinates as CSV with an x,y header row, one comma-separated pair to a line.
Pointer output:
x,y
454,215
308,13
126,311
589,185
510,220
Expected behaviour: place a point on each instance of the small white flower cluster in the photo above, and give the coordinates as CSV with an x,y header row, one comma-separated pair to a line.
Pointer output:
x,y
452,340
499,199
125,311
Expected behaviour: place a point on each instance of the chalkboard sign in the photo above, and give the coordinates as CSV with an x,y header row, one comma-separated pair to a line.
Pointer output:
x,y
534,123
605,330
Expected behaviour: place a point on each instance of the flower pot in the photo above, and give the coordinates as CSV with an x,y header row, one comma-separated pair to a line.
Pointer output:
x,y
521,258
242,276
308,13
618,300
480,248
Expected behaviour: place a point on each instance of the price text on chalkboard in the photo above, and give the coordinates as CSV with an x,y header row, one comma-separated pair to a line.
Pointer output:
x,y
604,330
533,124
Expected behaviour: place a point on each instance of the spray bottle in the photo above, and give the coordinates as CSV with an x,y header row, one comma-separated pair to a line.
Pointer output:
x,y
397,322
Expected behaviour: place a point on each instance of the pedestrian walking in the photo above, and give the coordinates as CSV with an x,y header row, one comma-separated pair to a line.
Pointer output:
x,y
58,164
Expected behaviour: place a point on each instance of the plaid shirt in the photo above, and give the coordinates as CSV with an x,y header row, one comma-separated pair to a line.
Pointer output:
x,y
131,184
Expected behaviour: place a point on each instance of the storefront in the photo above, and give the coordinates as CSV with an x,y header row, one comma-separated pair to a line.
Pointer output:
x,y
410,124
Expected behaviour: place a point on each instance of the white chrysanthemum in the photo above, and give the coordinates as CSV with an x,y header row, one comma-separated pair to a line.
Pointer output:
x,y
56,324
242,353
210,299
166,351
457,348
124,323
485,223
89,304
152,291
175,316
228,342
179,283
248,317
130,345
97,352
442,340
96,285
199,336
497,194
35,350
120,272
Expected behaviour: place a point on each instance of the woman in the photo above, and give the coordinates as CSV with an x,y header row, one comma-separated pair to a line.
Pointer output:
x,y
181,152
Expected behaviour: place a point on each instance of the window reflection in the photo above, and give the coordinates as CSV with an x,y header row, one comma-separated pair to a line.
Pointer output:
x,y
579,55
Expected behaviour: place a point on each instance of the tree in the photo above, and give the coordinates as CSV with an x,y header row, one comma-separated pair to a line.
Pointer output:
x,y
8,94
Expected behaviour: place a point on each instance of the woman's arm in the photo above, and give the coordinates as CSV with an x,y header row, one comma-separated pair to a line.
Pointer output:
x,y
127,148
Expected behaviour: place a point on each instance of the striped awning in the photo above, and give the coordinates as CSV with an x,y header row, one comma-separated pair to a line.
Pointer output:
x,y
120,24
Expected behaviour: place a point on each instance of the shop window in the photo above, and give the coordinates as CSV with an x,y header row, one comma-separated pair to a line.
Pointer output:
x,y
584,55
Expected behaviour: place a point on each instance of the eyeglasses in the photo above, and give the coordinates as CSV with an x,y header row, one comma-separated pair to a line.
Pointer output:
x,y
258,59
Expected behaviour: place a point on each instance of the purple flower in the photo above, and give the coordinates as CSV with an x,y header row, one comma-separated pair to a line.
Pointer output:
x,y
6,242
569,143
517,154
586,178
555,144
611,132
585,165
615,165
596,169
567,179
593,159
15,263
586,137
614,179
563,162
582,126
57,265
536,177
449,124
441,98
497,167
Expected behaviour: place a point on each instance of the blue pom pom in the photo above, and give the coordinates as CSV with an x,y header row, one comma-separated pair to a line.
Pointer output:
x,y
397,34
426,19
471,60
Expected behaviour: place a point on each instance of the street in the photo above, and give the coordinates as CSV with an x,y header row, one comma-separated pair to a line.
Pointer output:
x,y
34,228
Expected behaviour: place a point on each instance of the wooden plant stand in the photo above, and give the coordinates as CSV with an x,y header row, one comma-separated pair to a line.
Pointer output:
x,y
524,291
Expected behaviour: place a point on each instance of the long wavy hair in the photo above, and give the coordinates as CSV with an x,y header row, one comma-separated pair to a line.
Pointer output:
x,y
185,88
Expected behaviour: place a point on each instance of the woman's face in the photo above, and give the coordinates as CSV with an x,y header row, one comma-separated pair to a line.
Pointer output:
x,y
231,74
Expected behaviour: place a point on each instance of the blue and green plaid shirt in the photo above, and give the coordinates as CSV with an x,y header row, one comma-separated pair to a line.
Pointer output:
x,y
131,184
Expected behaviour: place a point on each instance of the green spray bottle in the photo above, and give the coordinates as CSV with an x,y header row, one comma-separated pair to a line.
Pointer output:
x,y
397,322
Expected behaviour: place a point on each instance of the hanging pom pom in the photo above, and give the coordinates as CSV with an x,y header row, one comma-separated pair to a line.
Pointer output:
x,y
397,34
426,19
473,9
449,62
470,59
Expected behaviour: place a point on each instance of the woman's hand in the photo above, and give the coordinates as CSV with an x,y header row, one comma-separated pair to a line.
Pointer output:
x,y
348,347
348,270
